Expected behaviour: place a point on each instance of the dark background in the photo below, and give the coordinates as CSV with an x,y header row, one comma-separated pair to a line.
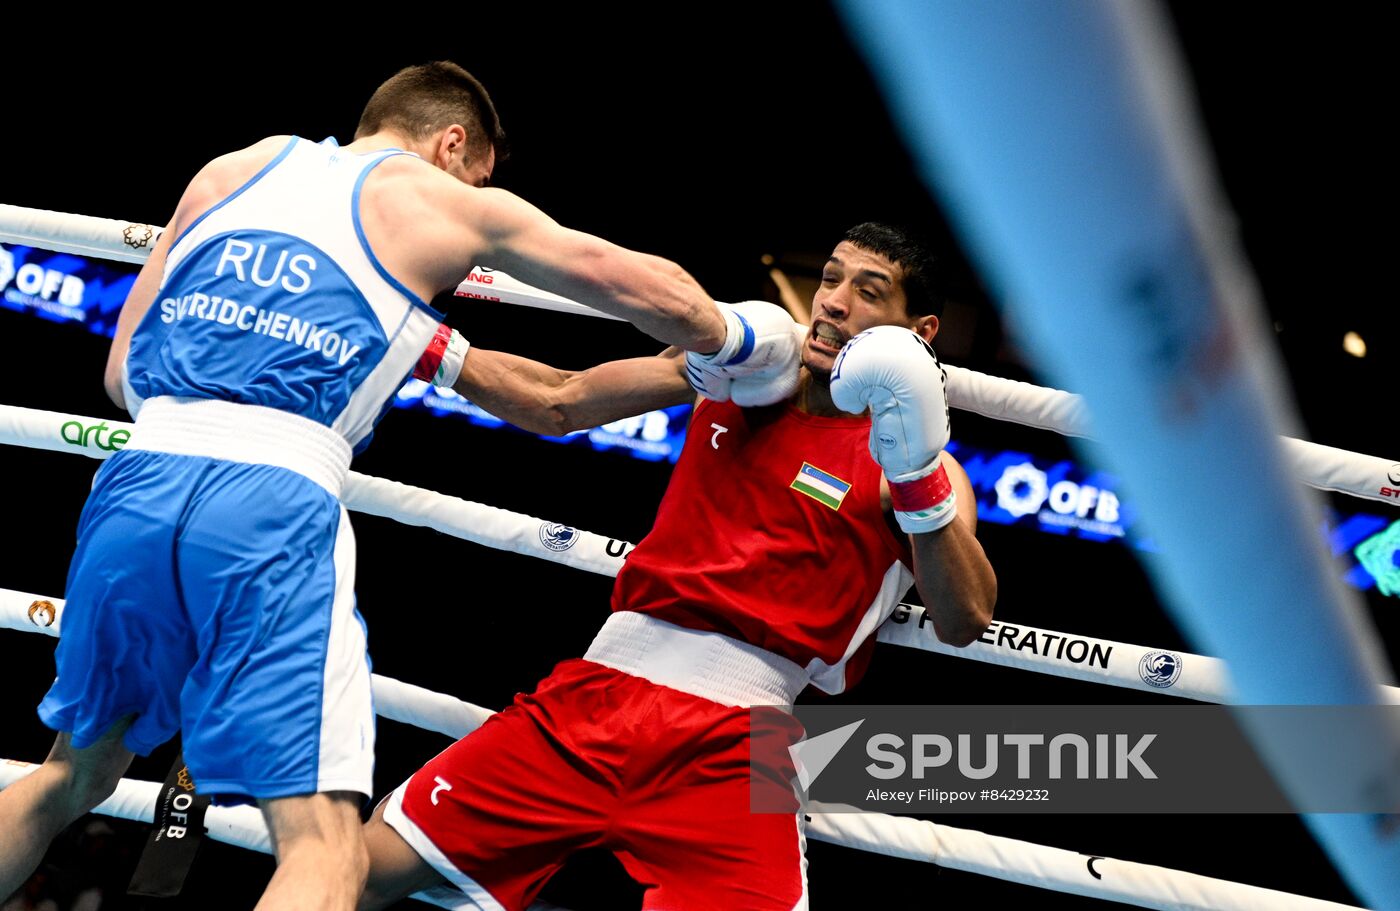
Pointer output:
x,y
712,135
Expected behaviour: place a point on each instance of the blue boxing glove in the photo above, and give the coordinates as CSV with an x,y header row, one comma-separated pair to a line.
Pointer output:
x,y
759,361
894,372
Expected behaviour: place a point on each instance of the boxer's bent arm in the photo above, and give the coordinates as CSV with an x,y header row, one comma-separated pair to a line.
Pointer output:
x,y
955,580
653,293
547,400
138,301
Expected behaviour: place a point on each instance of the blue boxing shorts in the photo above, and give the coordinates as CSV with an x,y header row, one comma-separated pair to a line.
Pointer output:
x,y
216,597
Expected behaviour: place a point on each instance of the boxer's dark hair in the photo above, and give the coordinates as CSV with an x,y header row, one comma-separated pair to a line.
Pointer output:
x,y
922,281
417,101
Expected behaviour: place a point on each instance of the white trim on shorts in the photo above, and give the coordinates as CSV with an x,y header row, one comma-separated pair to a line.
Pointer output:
x,y
419,841
345,761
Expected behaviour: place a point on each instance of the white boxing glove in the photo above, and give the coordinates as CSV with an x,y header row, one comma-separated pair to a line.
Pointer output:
x,y
895,373
758,364
441,362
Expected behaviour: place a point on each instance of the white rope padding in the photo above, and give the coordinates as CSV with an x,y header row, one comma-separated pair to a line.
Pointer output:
x,y
1010,859
1028,648
136,801
481,524
488,284
105,238
454,516
242,827
1323,467
1044,651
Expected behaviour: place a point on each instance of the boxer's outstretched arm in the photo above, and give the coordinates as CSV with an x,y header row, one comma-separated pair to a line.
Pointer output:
x,y
547,400
653,293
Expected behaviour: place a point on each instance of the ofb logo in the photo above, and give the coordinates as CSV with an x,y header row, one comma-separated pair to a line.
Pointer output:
x,y
1022,489
1160,669
7,268
558,537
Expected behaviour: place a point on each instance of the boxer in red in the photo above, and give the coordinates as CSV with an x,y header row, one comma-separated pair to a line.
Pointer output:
x,y
808,498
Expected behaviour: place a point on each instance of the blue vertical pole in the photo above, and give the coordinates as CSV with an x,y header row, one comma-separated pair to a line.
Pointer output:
x,y
1064,147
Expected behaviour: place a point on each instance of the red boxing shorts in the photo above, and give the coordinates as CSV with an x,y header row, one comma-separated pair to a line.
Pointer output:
x,y
597,757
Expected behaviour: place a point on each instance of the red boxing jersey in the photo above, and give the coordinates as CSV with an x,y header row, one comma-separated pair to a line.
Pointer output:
x,y
771,532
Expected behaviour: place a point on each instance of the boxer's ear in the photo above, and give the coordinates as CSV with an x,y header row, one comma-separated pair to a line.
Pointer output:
x,y
926,327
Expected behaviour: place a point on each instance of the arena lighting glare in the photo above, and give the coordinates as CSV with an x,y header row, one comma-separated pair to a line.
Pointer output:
x,y
1354,345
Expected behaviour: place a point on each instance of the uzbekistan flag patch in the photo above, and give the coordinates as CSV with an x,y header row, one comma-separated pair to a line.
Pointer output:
x,y
820,486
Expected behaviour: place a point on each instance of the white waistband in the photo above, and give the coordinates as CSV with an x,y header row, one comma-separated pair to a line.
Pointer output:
x,y
233,432
705,664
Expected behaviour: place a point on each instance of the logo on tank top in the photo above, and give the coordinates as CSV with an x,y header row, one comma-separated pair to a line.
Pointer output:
x,y
826,489
558,537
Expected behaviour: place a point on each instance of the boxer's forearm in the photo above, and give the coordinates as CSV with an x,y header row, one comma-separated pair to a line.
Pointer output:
x,y
651,292
955,580
547,400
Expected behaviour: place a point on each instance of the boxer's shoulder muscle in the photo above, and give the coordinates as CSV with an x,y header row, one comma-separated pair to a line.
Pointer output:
x,y
223,176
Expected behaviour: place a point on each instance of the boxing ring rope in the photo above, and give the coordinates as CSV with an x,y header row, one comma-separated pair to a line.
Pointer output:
x,y
1104,661
1143,885
1322,467
107,238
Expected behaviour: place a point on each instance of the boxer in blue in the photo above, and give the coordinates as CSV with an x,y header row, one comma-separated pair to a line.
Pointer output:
x,y
212,586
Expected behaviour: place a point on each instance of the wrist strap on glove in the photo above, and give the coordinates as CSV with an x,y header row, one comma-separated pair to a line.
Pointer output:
x,y
923,501
738,344
441,362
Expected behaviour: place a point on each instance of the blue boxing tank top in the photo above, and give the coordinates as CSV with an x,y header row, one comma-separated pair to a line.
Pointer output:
x,y
273,297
